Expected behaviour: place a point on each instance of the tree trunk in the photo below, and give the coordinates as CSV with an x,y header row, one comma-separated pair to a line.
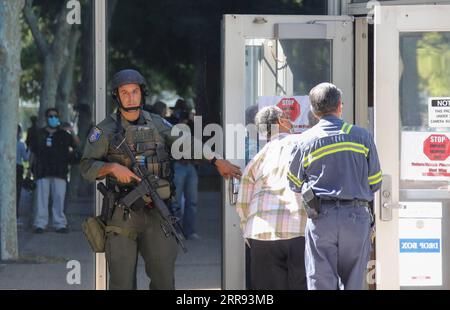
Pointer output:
x,y
55,54
66,78
47,96
10,45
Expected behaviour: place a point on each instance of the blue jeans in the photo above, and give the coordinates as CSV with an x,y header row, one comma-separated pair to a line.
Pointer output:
x,y
186,186
337,247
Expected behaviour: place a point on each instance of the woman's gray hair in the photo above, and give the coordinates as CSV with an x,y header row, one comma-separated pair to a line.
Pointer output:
x,y
324,98
267,118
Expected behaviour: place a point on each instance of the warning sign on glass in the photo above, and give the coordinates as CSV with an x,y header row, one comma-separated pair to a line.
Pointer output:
x,y
437,147
297,108
439,112
424,156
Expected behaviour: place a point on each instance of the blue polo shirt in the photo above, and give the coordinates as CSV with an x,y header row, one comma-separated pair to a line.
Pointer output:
x,y
338,160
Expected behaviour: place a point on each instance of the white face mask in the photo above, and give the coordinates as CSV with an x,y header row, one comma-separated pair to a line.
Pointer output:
x,y
292,128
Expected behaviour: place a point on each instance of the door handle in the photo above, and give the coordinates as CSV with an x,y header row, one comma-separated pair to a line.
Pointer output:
x,y
233,190
394,205
387,205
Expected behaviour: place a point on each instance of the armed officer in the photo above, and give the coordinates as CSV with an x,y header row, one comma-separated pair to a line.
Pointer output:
x,y
336,168
139,228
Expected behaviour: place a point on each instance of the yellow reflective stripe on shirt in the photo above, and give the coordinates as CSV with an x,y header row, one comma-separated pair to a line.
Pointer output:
x,y
338,144
376,178
294,179
332,151
347,131
346,128
333,148
376,181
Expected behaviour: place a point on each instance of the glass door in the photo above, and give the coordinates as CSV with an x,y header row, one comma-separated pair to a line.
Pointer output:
x,y
274,60
412,131
43,246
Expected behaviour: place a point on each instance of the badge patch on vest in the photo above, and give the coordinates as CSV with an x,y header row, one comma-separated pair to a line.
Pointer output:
x,y
95,134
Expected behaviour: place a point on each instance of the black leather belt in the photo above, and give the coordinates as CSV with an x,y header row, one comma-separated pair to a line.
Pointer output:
x,y
346,202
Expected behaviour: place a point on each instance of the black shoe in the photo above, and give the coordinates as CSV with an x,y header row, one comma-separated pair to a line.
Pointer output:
x,y
63,230
38,230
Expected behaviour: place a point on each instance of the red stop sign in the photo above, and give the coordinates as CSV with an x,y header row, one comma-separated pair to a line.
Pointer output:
x,y
437,147
290,107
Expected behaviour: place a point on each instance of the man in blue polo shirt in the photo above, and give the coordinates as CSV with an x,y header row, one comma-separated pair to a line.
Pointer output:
x,y
336,168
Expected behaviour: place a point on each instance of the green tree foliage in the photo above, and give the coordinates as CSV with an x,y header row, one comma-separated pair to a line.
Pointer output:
x,y
433,62
176,43
31,57
31,74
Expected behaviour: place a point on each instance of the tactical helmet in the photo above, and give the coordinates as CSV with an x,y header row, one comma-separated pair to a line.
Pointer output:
x,y
128,76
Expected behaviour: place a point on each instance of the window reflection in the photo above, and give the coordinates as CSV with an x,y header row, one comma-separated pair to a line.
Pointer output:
x,y
424,73
282,68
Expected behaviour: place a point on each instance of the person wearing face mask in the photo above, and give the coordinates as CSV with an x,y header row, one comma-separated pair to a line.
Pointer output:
x,y
52,149
271,218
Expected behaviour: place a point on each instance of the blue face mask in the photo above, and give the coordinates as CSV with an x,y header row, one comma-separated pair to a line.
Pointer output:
x,y
53,121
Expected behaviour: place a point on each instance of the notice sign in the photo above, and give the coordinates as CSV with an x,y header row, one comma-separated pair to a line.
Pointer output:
x,y
297,108
439,112
424,156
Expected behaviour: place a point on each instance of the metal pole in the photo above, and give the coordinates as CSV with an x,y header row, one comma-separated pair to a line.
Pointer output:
x,y
334,7
100,113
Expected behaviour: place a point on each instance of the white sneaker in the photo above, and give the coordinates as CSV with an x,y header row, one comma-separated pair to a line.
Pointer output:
x,y
194,236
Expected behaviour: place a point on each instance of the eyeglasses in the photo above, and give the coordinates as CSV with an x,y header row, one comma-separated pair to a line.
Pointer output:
x,y
52,115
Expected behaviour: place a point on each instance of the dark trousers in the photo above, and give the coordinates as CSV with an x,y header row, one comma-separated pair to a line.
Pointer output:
x,y
19,181
338,247
158,251
278,265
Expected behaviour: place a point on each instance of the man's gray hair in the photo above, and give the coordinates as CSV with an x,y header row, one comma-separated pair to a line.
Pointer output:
x,y
324,98
267,118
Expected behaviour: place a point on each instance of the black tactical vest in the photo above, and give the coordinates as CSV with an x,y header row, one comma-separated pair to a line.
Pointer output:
x,y
147,146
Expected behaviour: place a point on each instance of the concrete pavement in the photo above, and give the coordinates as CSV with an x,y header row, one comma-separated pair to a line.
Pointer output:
x,y
44,258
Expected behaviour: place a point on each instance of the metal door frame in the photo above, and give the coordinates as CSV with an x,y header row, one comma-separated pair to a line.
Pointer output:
x,y
236,29
100,114
390,21
363,9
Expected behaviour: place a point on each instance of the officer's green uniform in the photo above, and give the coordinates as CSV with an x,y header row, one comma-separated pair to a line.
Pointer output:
x,y
141,229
